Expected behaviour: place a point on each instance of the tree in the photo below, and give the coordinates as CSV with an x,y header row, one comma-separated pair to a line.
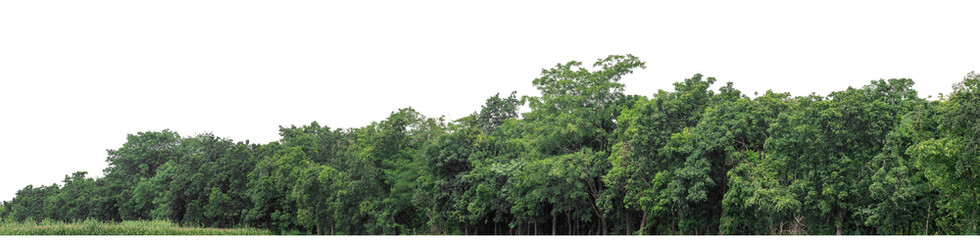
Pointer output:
x,y
951,161
4,211
493,165
497,110
575,107
270,186
585,159
576,111
137,159
756,198
447,158
313,195
642,164
827,145
29,205
905,202
73,200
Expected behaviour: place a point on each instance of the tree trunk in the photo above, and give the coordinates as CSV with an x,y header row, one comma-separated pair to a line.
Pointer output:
x,y
680,218
643,223
840,221
604,227
629,225
973,214
928,216
568,221
554,224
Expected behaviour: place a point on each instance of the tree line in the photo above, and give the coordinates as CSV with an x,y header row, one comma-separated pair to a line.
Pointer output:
x,y
584,158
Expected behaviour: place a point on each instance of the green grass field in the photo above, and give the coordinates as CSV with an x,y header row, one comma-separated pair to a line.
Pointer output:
x,y
92,227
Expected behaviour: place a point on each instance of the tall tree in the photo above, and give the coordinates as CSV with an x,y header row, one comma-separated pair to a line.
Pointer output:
x,y
576,114
137,159
952,160
642,163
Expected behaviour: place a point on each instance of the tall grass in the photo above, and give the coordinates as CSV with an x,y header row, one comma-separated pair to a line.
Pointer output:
x,y
92,227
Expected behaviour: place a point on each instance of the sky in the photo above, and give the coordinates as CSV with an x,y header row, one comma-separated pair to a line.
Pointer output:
x,y
77,76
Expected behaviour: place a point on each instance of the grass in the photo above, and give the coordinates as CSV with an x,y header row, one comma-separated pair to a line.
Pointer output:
x,y
92,227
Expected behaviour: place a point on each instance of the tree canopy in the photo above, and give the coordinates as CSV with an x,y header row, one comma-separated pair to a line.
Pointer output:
x,y
582,157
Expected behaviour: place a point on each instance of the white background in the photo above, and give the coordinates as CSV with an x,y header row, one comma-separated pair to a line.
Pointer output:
x,y
77,76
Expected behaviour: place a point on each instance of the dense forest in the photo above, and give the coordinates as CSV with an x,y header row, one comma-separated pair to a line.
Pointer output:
x,y
582,157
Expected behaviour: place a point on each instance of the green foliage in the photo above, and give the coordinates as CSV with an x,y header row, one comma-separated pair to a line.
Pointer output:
x,y
951,158
270,185
582,158
138,159
576,109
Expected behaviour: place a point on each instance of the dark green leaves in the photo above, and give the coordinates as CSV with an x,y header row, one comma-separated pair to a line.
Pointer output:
x,y
584,158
